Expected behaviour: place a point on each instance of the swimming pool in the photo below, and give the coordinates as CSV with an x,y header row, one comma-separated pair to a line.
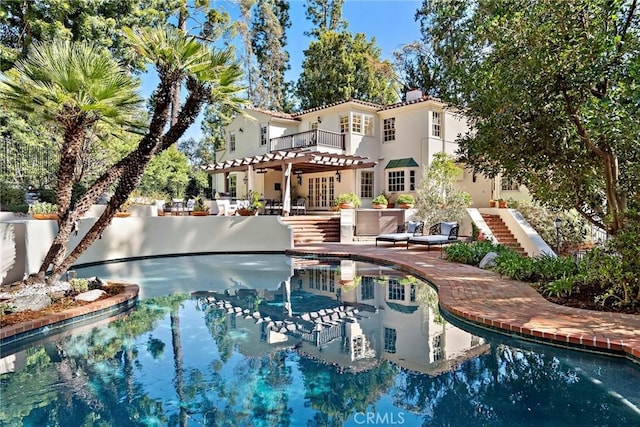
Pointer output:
x,y
267,340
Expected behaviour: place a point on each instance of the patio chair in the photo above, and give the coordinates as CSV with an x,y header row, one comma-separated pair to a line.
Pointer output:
x,y
404,232
191,203
299,206
442,233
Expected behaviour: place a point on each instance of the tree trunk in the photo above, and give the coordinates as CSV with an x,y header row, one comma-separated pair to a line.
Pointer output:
x,y
74,133
176,342
132,168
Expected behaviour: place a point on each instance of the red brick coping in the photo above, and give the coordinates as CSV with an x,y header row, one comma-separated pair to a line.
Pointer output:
x,y
44,325
484,299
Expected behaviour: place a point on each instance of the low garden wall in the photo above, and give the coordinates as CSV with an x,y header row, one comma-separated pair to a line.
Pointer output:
x,y
151,236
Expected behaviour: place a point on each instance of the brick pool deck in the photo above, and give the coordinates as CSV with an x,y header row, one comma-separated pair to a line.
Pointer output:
x,y
485,299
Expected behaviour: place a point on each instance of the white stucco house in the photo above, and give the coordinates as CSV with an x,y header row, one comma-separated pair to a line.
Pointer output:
x,y
347,146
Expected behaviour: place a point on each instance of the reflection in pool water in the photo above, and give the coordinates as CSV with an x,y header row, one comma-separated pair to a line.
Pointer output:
x,y
270,340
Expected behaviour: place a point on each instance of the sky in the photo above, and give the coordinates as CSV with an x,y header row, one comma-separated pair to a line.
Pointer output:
x,y
391,22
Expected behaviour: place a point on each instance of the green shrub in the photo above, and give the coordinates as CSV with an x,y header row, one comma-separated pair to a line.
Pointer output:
x,y
12,199
547,268
512,265
560,287
472,253
49,196
79,285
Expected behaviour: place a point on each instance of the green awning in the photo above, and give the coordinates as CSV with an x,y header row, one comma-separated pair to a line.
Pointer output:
x,y
402,163
407,309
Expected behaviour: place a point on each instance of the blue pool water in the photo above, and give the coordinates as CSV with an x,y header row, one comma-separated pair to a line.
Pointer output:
x,y
267,340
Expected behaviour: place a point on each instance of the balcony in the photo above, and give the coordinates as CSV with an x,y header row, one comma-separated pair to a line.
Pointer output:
x,y
313,139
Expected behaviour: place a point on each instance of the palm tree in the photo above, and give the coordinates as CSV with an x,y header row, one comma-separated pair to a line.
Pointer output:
x,y
211,76
76,87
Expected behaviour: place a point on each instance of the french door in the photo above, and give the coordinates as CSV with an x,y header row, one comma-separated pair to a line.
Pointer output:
x,y
321,192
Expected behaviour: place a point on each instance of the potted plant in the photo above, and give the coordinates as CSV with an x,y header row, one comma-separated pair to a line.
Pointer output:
x,y
347,201
405,201
379,202
492,203
44,210
199,208
502,203
254,205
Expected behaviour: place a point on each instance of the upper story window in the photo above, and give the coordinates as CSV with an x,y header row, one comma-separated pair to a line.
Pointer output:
x,y
356,123
389,129
436,123
263,135
232,142
344,124
362,124
368,125
396,290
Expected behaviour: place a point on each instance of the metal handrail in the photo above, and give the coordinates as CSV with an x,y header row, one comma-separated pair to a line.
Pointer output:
x,y
311,138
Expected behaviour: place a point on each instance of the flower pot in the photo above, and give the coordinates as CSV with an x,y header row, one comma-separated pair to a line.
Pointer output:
x,y
246,212
52,216
405,205
378,206
199,213
347,205
492,203
502,205
123,214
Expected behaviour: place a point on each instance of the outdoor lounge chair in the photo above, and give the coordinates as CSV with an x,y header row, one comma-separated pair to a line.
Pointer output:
x,y
404,232
442,233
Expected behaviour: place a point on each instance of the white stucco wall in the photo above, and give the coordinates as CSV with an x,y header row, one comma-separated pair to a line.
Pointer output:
x,y
153,236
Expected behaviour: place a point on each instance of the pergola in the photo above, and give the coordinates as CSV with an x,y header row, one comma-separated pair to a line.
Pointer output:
x,y
299,160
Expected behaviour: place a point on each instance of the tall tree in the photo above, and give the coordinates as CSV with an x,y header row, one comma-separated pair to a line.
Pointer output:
x,y
340,66
550,89
210,75
76,87
268,30
325,15
439,197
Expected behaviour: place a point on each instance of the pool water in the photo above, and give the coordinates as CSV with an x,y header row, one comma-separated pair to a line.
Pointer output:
x,y
268,340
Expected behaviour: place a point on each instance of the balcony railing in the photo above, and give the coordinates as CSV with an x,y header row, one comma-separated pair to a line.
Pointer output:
x,y
311,138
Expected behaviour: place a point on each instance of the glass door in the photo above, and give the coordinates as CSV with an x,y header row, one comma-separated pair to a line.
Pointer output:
x,y
321,192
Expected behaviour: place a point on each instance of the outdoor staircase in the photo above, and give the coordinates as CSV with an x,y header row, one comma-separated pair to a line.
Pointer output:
x,y
314,228
502,233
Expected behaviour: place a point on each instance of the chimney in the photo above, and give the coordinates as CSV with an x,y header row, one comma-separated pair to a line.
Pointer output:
x,y
412,95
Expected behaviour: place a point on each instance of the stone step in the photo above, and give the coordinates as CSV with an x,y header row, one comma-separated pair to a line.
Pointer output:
x,y
314,228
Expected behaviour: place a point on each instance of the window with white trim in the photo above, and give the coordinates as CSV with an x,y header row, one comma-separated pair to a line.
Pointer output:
x,y
232,142
390,337
368,125
412,180
389,129
367,288
396,290
356,123
344,124
436,122
366,184
263,135
395,182
233,185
